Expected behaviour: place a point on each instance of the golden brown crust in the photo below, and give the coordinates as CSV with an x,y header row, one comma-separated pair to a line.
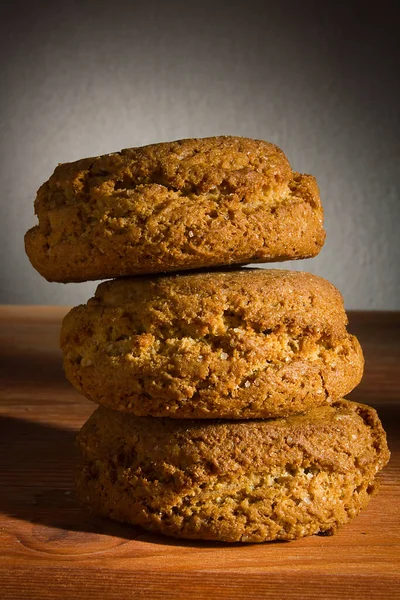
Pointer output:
x,y
231,344
250,481
174,206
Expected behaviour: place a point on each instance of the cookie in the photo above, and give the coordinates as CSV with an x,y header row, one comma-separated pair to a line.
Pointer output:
x,y
251,481
236,344
174,206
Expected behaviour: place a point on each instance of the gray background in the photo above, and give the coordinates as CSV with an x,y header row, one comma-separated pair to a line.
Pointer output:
x,y
317,78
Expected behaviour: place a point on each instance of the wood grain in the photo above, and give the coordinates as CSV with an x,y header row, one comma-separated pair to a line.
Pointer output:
x,y
50,548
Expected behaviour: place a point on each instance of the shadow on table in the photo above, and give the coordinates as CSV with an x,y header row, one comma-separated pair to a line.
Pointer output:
x,y
37,463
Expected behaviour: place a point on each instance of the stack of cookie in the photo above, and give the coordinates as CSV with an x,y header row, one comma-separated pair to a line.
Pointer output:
x,y
222,414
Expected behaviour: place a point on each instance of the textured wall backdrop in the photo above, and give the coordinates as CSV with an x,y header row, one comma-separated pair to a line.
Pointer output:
x,y
320,79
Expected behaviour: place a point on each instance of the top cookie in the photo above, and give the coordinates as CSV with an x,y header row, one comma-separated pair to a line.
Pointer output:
x,y
174,206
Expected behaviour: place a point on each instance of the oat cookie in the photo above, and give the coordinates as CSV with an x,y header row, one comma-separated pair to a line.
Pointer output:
x,y
236,344
250,481
174,206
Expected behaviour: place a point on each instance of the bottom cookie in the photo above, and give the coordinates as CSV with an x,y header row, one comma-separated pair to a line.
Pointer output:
x,y
243,481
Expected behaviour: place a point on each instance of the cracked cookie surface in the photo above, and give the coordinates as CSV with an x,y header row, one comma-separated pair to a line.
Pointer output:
x,y
250,481
227,344
174,206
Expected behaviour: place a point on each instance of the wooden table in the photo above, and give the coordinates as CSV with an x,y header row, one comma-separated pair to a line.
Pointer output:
x,y
50,548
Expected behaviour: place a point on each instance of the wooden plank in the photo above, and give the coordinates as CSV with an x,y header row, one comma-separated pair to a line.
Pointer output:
x,y
50,548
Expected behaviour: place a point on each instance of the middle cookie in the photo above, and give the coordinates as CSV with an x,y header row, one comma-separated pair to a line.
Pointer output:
x,y
248,343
